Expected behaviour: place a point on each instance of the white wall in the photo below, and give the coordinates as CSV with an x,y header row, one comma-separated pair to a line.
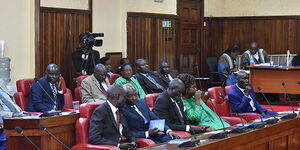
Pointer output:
x,y
70,4
109,16
229,8
17,29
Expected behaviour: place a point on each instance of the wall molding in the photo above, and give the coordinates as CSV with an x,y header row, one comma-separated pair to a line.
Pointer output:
x,y
152,15
250,18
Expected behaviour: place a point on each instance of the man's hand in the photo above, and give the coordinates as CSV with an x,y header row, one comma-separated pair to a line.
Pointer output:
x,y
131,145
58,84
153,132
173,135
247,90
199,129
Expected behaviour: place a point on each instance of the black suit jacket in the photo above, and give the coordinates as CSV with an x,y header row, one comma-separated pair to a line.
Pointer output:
x,y
166,109
41,97
164,79
136,122
103,127
147,85
87,65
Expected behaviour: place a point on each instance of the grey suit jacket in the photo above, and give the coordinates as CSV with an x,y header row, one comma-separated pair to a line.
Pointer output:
x,y
12,104
91,91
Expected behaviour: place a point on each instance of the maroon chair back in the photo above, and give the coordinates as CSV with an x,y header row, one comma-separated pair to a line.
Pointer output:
x,y
77,92
23,90
80,78
227,88
220,106
113,78
83,123
150,100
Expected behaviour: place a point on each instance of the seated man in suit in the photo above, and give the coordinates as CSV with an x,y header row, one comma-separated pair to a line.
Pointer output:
x,y
8,109
46,93
165,74
94,87
138,116
242,99
254,56
169,106
148,80
107,125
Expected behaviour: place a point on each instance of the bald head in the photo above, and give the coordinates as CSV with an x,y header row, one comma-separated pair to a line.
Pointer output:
x,y
175,88
131,94
242,79
52,73
142,65
253,47
115,95
100,72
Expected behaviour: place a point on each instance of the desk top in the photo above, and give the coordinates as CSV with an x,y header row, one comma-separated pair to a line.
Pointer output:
x,y
238,140
32,122
275,67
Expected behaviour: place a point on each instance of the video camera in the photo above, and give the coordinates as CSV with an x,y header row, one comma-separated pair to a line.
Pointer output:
x,y
90,41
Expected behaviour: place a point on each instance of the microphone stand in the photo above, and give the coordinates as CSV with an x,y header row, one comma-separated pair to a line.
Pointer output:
x,y
273,120
290,115
222,134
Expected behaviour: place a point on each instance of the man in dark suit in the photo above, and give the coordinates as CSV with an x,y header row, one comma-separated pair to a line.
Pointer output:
x,y
85,58
169,106
242,98
148,80
107,125
165,74
138,116
46,93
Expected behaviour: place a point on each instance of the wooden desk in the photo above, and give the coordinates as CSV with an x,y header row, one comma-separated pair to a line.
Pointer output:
x,y
270,79
63,127
284,135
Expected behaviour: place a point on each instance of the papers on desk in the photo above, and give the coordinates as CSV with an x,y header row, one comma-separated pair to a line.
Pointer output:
x,y
245,124
215,132
247,71
178,141
159,124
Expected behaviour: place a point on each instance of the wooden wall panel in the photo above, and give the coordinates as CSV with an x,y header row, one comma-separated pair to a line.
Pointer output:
x,y
58,38
146,38
275,34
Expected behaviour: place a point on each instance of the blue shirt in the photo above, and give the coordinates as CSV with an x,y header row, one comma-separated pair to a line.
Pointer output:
x,y
6,96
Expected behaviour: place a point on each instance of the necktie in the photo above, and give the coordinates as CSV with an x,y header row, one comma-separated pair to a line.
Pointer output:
x,y
154,82
102,89
54,90
8,102
140,113
118,119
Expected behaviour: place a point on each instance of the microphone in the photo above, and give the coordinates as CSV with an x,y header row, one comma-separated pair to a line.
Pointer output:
x,y
241,129
19,130
42,127
269,121
222,134
290,115
256,125
38,83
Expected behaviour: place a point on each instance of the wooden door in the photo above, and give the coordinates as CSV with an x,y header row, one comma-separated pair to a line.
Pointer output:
x,y
149,38
58,38
190,33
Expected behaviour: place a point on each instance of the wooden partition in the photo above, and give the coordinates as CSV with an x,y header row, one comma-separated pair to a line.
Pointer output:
x,y
151,36
57,37
276,34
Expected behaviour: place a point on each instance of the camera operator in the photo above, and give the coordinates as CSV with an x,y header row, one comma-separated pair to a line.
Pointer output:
x,y
85,58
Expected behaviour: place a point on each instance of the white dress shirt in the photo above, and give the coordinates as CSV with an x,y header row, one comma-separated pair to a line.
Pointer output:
x,y
249,96
114,110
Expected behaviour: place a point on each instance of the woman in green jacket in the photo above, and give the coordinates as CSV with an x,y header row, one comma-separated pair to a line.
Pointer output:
x,y
196,110
126,77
